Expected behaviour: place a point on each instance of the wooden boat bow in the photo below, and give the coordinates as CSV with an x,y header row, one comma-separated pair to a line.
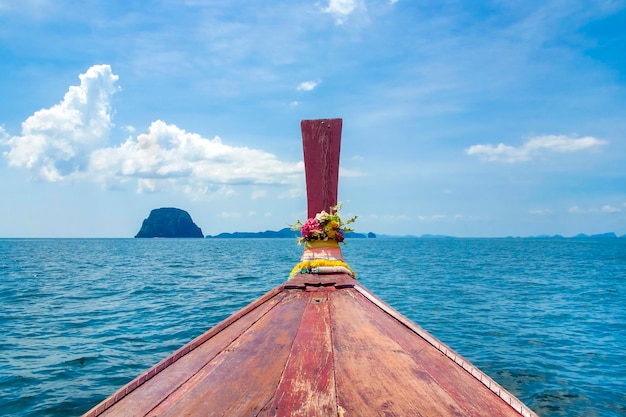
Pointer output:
x,y
317,345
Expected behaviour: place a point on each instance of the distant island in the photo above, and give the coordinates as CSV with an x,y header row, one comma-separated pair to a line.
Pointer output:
x,y
288,233
173,222
609,235
282,233
169,222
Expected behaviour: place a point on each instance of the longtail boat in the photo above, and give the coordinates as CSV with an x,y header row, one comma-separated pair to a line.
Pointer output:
x,y
320,344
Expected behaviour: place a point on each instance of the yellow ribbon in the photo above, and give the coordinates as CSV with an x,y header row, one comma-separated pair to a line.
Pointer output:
x,y
317,263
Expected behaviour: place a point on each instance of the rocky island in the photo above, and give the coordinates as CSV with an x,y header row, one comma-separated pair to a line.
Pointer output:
x,y
169,222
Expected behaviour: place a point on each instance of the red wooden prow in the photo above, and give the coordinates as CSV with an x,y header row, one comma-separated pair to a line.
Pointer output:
x,y
321,141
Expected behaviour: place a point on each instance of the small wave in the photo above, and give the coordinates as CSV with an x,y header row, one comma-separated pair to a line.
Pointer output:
x,y
82,361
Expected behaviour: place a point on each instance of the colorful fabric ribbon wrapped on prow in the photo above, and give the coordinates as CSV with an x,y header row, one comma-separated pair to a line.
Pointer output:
x,y
321,236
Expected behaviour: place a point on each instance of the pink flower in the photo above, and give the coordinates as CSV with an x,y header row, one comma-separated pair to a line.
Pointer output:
x,y
311,228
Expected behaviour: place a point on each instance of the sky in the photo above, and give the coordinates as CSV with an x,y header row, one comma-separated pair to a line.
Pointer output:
x,y
464,118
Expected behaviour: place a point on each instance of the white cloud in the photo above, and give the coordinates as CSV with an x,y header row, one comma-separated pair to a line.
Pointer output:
x,y
534,146
610,209
340,9
540,212
604,209
307,85
56,142
169,155
432,218
70,140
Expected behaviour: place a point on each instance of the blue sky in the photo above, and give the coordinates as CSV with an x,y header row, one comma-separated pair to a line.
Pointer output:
x,y
464,118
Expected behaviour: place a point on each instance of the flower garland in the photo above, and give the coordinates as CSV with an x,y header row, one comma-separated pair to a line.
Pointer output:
x,y
318,266
323,232
324,226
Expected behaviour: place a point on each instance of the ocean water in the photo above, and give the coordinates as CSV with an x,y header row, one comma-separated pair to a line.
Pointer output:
x,y
79,318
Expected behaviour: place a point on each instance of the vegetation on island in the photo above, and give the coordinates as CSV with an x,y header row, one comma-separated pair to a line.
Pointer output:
x,y
287,232
169,222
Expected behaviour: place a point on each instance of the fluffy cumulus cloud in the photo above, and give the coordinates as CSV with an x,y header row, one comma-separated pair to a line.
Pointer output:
x,y
340,9
71,140
169,156
533,147
56,142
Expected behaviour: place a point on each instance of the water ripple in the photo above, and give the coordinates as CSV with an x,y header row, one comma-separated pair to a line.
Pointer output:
x,y
81,317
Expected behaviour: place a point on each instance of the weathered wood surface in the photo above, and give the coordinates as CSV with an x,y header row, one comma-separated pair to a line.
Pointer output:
x,y
322,350
307,387
321,141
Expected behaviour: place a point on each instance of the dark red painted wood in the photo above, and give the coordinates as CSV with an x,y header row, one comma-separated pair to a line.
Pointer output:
x,y
311,350
321,140
374,375
460,385
307,388
242,379
142,394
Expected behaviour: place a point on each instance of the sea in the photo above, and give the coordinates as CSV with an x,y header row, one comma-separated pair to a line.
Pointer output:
x,y
79,318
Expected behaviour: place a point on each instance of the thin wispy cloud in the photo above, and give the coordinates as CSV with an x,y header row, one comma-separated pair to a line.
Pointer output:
x,y
607,209
432,218
540,212
534,147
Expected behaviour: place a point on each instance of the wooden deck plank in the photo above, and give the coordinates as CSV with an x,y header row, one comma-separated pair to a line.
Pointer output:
x,y
148,395
455,374
242,379
307,388
374,374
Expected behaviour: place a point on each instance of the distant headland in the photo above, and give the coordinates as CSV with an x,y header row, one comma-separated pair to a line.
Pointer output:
x,y
282,233
173,222
609,235
169,222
